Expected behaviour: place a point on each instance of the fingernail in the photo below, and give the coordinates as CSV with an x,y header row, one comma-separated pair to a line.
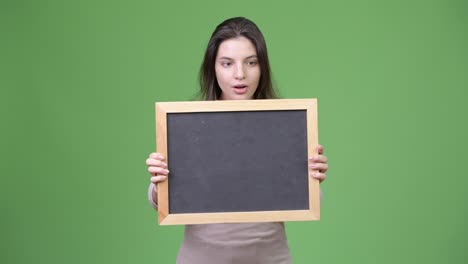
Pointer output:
x,y
167,171
312,166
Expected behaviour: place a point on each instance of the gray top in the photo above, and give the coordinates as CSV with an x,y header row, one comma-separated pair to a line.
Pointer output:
x,y
249,243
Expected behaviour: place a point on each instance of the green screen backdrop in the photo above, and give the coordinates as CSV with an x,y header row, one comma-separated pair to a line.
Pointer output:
x,y
78,84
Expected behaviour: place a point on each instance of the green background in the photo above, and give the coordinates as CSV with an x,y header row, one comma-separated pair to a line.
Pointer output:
x,y
78,84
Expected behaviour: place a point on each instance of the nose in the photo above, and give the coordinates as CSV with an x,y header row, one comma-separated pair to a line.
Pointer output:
x,y
240,72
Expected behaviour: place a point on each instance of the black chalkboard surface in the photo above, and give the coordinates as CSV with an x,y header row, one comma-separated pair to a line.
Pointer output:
x,y
237,161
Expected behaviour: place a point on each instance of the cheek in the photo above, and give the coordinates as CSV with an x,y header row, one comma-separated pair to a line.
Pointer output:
x,y
220,77
257,75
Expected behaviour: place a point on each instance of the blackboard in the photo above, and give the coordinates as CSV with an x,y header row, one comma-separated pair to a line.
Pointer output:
x,y
237,161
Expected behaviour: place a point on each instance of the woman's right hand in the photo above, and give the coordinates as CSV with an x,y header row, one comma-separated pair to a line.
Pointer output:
x,y
157,167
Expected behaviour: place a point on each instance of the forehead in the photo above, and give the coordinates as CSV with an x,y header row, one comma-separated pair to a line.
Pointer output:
x,y
236,48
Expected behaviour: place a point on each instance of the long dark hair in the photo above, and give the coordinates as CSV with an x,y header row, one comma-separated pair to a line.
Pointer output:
x,y
233,28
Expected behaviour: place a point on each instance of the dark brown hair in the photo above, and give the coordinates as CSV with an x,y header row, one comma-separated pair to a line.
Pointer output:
x,y
233,28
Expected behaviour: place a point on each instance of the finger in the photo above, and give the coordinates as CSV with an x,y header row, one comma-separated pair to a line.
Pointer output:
x,y
320,149
156,179
318,175
158,170
157,156
322,167
155,162
318,159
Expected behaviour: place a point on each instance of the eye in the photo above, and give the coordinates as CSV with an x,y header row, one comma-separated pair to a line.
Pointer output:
x,y
226,64
252,63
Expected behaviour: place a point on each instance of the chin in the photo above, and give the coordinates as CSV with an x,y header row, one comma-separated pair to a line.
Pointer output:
x,y
234,96
242,97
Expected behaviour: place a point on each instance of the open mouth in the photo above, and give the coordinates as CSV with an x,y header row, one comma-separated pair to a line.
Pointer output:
x,y
240,89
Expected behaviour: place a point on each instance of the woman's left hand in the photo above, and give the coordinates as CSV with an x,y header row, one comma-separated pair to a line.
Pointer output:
x,y
318,165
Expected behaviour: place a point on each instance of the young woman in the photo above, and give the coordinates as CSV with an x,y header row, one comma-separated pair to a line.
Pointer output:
x,y
235,67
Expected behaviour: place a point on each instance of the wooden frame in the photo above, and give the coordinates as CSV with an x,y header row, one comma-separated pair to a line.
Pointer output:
x,y
164,108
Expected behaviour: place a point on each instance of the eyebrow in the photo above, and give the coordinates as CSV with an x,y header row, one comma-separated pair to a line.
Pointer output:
x,y
227,58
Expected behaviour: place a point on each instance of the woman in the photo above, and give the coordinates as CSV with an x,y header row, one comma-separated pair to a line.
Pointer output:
x,y
235,67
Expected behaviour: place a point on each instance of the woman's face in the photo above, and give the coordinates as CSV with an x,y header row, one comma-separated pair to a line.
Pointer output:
x,y
237,69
